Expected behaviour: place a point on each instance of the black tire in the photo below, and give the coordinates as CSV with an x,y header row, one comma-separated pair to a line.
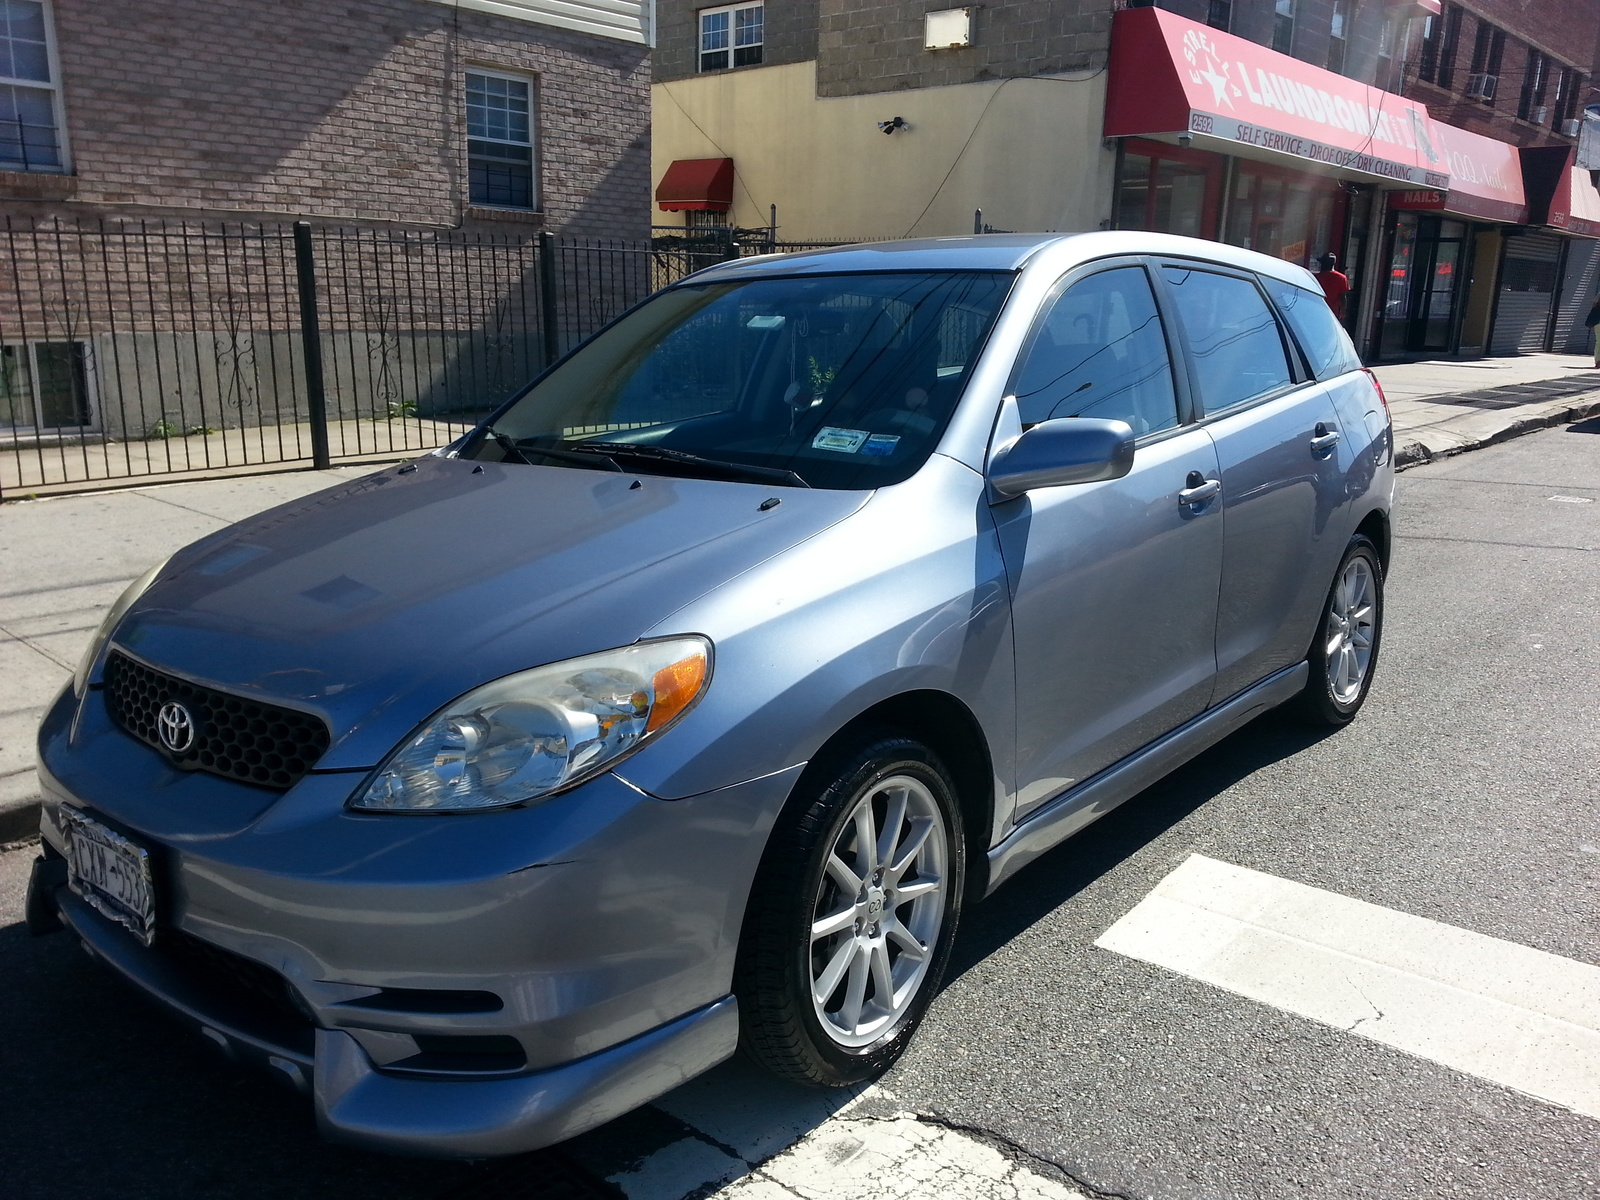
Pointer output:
x,y
1327,699
780,1026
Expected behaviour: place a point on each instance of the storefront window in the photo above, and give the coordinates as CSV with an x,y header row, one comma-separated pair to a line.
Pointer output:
x,y
1295,217
1167,190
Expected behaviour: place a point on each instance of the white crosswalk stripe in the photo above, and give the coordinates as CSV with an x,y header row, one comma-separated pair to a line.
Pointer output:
x,y
1513,1015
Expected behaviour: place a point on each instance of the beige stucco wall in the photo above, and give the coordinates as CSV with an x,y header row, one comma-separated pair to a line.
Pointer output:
x,y
1026,151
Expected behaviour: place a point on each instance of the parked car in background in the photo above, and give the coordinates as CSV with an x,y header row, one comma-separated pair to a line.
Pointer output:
x,y
687,702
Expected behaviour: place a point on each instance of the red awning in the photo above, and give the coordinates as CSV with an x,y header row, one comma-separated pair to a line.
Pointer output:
x,y
1174,76
1561,194
1485,179
697,183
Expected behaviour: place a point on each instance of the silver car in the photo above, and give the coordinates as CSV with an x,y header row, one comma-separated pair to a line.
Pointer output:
x,y
683,705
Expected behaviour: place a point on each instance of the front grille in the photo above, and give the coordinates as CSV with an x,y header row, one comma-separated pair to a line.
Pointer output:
x,y
233,736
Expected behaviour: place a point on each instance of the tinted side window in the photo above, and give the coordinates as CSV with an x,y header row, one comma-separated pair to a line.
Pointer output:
x,y
1237,347
1099,351
1318,331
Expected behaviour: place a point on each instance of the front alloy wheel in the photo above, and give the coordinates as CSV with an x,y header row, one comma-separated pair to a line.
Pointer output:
x,y
878,910
852,914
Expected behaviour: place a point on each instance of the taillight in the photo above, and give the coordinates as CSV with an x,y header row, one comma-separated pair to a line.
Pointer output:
x,y
1382,399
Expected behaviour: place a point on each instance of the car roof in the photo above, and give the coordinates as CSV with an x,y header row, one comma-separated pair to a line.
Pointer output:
x,y
999,252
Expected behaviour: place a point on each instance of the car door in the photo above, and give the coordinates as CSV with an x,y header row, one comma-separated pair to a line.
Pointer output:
x,y
1277,434
1113,584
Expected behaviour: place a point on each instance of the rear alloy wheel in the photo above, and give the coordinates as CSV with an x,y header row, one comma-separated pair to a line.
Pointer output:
x,y
1345,650
852,915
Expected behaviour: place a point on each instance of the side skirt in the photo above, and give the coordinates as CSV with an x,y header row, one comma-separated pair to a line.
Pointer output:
x,y
1095,797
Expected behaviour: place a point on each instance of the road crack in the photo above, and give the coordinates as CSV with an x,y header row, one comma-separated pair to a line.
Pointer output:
x,y
1012,1150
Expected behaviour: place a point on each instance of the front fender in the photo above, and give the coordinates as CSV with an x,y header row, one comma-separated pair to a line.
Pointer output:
x,y
906,594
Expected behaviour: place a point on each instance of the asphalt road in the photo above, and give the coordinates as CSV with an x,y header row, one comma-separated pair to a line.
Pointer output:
x,y
1465,793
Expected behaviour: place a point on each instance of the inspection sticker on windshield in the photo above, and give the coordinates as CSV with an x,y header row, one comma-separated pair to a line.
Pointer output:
x,y
880,444
846,441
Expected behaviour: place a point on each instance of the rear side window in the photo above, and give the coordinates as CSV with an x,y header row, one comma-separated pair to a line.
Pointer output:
x,y
1326,344
1237,346
1099,351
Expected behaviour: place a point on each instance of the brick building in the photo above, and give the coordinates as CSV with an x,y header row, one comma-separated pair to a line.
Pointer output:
x,y
418,112
1428,144
154,153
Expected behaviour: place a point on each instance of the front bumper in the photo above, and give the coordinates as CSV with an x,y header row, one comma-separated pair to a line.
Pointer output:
x,y
594,934
361,1105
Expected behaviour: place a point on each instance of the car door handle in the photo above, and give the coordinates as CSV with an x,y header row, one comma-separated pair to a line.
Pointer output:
x,y
1198,489
1323,439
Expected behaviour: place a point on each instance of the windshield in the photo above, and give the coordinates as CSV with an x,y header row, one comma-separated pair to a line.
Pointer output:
x,y
835,381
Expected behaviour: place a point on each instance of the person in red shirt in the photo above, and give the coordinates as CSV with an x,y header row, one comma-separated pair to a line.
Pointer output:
x,y
1335,283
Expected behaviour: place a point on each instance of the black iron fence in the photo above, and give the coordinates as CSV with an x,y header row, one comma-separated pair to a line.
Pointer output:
x,y
145,350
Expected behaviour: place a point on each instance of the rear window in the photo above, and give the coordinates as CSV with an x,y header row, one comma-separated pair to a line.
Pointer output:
x,y
1326,345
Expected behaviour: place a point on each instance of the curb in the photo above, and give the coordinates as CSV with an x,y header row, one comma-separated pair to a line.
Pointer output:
x,y
19,819
1415,454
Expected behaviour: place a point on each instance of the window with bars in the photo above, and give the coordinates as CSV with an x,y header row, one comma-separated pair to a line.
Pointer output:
x,y
30,92
731,36
45,386
1336,37
1219,15
500,141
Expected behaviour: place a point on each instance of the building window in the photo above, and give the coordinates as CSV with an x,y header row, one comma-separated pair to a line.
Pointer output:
x,y
30,90
44,385
1336,38
1219,14
731,36
1569,87
499,141
1428,61
1446,73
1535,78
1283,26
1487,51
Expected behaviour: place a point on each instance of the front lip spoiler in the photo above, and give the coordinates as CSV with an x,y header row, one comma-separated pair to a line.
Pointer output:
x,y
359,1105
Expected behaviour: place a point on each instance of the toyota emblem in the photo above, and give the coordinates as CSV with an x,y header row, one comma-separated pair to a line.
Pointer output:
x,y
175,726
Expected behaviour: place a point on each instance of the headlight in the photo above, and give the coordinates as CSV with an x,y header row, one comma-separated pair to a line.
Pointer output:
x,y
536,732
80,677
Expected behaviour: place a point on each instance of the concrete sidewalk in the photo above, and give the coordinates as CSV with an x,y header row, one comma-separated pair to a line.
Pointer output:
x,y
1443,407
64,559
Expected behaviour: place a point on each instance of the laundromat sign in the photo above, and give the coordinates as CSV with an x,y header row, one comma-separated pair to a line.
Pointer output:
x,y
1171,75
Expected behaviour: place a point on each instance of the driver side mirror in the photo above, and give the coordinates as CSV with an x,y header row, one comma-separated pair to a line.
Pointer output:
x,y
1066,450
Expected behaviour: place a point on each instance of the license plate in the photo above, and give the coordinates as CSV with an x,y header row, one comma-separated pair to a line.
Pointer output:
x,y
110,873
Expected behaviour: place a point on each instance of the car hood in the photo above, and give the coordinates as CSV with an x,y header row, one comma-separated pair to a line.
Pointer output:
x,y
375,603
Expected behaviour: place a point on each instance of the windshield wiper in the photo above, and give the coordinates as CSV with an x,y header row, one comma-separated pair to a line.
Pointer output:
x,y
521,450
663,454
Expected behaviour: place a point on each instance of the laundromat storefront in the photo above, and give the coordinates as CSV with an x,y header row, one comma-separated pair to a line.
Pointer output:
x,y
1225,139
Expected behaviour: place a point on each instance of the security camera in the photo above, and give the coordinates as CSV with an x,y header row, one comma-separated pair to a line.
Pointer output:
x,y
892,125
1185,139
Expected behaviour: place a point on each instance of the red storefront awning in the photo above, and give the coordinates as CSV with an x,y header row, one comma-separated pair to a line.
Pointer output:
x,y
1560,194
1174,76
704,184
1485,179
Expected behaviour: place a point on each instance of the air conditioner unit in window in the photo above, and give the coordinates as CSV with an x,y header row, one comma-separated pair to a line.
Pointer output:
x,y
1571,128
1539,114
1481,87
